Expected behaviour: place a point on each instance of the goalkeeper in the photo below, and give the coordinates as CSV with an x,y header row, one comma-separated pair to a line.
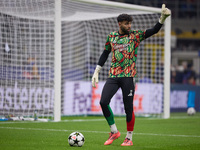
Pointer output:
x,y
123,44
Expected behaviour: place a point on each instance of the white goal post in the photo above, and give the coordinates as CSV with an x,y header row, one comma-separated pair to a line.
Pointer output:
x,y
57,85
49,49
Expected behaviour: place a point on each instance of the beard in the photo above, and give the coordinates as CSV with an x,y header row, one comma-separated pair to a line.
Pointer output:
x,y
125,30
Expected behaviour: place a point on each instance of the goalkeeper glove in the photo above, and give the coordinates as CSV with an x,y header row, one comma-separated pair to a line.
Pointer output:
x,y
165,12
95,77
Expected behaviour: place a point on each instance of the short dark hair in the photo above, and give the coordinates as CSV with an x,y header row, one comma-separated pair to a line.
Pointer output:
x,y
124,17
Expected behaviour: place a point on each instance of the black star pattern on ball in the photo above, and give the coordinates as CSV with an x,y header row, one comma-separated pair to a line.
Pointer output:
x,y
76,141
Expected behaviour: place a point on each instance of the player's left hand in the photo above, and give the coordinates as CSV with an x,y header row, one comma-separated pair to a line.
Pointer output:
x,y
165,12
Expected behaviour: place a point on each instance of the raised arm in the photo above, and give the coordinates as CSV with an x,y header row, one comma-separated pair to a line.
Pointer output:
x,y
165,12
152,31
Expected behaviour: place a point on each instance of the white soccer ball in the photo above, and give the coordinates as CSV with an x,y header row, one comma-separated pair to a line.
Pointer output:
x,y
76,139
191,111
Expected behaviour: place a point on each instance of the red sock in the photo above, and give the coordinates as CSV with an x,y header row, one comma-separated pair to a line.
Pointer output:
x,y
130,125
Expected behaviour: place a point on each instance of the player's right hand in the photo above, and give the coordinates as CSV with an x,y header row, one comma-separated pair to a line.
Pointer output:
x,y
95,77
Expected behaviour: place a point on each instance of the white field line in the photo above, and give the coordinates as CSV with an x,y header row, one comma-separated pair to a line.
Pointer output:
x,y
84,131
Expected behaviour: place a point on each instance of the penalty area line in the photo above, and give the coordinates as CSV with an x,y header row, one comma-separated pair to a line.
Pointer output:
x,y
85,131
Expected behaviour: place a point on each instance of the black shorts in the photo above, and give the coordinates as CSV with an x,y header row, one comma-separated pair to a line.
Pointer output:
x,y
111,86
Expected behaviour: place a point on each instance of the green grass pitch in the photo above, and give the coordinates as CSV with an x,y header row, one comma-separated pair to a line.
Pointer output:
x,y
180,132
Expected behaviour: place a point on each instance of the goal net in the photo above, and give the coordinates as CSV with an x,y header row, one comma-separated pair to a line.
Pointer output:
x,y
84,35
28,56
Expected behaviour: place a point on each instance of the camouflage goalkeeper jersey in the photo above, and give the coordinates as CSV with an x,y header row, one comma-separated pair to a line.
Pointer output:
x,y
124,52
